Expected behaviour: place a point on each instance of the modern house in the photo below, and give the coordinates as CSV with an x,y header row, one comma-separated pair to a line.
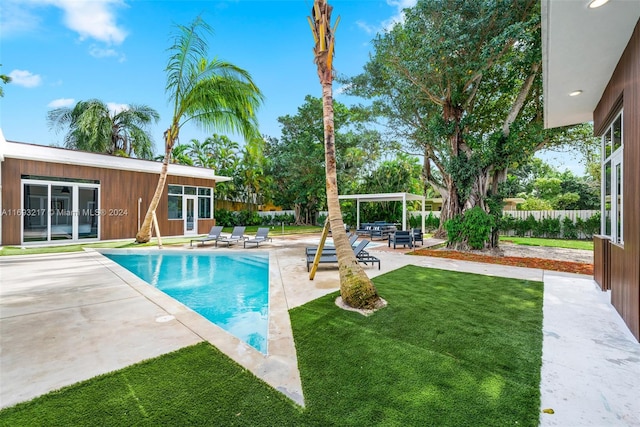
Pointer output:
x,y
591,72
54,195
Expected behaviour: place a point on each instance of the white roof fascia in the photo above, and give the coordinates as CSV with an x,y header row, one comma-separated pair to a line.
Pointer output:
x,y
42,153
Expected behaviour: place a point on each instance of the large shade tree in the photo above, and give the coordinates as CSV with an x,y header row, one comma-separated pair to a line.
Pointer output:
x,y
461,81
296,160
356,289
94,126
212,94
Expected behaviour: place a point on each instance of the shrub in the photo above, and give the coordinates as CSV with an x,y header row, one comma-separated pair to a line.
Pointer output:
x,y
547,227
508,223
569,229
473,228
431,222
591,226
224,218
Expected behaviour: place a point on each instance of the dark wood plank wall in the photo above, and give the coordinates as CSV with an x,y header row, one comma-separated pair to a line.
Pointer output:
x,y
602,261
625,85
119,193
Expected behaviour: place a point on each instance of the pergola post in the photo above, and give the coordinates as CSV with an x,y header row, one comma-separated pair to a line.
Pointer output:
x,y
404,211
423,215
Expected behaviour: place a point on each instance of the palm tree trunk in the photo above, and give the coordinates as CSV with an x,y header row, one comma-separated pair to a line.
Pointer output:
x,y
356,289
144,234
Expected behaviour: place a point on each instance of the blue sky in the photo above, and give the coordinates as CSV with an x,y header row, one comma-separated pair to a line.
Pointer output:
x,y
59,52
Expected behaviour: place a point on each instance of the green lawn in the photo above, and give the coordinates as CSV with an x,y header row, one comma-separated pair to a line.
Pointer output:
x,y
451,349
554,243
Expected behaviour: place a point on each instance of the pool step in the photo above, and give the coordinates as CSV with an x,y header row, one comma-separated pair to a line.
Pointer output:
x,y
261,262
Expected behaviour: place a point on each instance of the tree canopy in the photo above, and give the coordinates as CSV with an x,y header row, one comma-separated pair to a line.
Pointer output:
x,y
214,94
461,81
93,126
296,160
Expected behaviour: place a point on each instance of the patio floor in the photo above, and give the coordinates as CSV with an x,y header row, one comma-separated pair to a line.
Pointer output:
x,y
69,317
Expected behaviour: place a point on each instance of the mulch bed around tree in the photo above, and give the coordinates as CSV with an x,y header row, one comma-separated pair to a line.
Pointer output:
x,y
545,264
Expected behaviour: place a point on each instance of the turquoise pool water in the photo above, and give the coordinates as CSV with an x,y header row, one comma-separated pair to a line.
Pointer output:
x,y
230,289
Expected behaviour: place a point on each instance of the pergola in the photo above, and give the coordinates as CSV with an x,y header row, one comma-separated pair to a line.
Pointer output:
x,y
386,197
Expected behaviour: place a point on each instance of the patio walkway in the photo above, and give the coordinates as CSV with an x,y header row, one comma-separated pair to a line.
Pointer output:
x,y
68,317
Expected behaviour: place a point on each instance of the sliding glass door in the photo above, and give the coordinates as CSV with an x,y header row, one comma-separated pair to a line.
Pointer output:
x,y
58,211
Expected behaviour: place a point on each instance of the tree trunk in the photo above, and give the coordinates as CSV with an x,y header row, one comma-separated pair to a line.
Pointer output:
x,y
144,234
356,289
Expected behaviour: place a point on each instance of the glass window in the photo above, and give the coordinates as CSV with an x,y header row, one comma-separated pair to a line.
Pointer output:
x,y
618,202
204,207
88,213
606,144
612,180
616,133
35,213
189,190
61,212
606,205
203,191
175,189
175,207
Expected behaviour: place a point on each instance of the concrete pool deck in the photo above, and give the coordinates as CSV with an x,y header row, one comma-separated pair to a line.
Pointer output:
x,y
68,317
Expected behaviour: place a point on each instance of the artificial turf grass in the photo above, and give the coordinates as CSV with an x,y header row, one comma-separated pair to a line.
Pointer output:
x,y
197,385
450,349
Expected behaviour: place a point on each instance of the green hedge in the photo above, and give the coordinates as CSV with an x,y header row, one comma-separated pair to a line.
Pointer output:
x,y
232,218
551,227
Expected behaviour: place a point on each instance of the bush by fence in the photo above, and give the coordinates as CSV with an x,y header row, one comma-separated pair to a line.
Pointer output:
x,y
232,218
569,224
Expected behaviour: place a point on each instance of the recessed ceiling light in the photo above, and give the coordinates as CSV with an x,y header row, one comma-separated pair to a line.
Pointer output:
x,y
575,93
597,3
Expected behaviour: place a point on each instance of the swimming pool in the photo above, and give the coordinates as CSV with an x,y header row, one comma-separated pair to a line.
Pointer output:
x,y
230,290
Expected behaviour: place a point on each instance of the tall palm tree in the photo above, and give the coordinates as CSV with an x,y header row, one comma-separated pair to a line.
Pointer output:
x,y
213,94
356,289
94,127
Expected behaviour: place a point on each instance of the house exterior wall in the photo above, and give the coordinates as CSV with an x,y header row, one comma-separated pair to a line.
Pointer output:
x,y
119,193
623,91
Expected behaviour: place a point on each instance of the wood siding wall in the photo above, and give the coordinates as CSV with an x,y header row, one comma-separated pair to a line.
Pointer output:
x,y
602,262
623,91
119,193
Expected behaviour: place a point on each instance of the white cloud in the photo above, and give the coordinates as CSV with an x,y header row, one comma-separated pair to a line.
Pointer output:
x,y
25,78
95,19
342,89
16,19
99,52
369,29
388,24
61,102
400,5
116,108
